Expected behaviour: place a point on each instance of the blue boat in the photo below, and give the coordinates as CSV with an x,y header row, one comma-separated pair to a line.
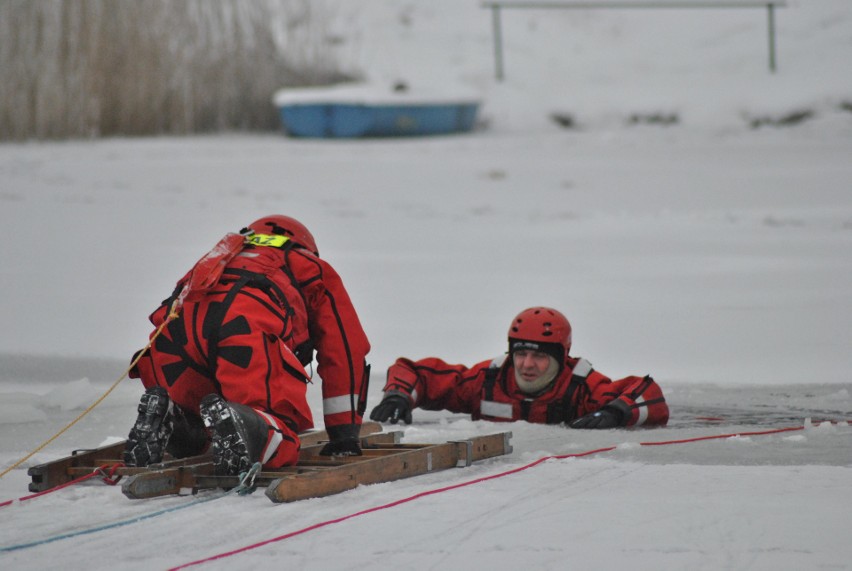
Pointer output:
x,y
364,111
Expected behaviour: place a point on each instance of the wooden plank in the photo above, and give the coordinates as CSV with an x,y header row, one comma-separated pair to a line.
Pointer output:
x,y
51,474
405,464
409,461
168,481
485,447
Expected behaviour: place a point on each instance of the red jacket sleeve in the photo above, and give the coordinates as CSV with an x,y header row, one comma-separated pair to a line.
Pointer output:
x,y
338,338
640,399
432,384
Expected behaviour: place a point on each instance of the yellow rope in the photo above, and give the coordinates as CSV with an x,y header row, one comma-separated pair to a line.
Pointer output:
x,y
172,314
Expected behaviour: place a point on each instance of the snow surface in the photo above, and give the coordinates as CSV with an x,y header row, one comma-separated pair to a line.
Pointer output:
x,y
711,254
372,94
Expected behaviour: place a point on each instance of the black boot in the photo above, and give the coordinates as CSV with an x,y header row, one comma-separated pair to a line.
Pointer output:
x,y
150,434
239,434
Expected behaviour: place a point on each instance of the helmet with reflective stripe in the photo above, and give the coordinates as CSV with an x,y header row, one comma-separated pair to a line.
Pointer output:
x,y
286,226
541,329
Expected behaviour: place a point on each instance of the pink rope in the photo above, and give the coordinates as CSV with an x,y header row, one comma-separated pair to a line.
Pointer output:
x,y
465,484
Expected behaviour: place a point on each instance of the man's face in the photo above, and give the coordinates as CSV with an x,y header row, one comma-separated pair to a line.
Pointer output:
x,y
530,365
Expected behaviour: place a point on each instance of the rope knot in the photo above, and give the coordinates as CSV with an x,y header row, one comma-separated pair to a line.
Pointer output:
x,y
107,473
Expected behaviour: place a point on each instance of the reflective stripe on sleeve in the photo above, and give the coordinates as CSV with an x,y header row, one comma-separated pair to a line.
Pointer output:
x,y
496,409
335,405
643,412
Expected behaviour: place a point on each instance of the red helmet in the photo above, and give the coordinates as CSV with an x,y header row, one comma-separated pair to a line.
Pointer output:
x,y
541,329
286,226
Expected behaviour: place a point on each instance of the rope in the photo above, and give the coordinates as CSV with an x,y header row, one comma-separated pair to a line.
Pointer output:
x,y
113,525
173,313
245,486
220,255
465,484
106,477
107,473
719,436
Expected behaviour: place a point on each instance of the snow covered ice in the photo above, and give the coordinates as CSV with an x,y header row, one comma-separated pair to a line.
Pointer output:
x,y
712,255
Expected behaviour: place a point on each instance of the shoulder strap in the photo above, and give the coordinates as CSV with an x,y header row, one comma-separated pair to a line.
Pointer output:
x,y
305,351
491,374
565,409
215,318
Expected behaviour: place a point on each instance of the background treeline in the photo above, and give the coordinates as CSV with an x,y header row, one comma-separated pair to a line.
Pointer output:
x,y
91,68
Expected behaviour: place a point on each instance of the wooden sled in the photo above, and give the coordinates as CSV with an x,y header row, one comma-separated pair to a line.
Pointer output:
x,y
81,462
384,459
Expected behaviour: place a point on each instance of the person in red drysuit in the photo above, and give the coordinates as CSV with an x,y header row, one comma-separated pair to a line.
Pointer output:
x,y
539,382
229,370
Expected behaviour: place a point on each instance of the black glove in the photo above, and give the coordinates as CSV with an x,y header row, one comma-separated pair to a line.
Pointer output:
x,y
607,417
343,441
392,409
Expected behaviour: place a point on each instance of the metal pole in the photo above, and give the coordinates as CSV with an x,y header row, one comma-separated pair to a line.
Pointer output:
x,y
771,15
498,42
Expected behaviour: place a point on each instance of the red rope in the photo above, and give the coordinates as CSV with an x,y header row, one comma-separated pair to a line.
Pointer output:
x,y
468,483
106,472
719,436
110,478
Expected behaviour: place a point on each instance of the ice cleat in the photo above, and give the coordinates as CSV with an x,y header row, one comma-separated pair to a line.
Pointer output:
x,y
239,434
150,434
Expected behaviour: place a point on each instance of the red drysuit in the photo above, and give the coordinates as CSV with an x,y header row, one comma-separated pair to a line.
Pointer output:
x,y
488,390
251,335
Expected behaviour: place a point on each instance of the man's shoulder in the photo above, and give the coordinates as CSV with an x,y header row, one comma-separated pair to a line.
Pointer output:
x,y
494,363
306,266
579,366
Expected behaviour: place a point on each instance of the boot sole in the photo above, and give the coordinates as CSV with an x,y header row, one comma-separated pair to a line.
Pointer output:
x,y
150,434
230,452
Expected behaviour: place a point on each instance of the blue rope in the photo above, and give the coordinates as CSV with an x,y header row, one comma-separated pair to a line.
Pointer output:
x,y
245,486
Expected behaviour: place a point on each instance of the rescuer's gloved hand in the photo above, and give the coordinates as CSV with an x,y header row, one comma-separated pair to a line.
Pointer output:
x,y
393,408
343,441
607,417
